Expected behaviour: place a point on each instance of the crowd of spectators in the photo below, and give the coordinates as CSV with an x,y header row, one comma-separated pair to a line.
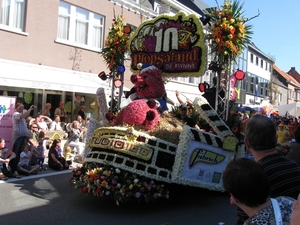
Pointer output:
x,y
34,144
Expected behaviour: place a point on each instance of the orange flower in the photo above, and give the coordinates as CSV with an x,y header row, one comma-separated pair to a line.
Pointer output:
x,y
104,183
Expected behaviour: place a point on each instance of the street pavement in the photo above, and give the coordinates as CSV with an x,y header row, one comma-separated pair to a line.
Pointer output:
x,y
49,198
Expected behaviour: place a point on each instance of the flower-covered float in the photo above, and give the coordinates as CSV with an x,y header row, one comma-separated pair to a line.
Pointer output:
x,y
138,152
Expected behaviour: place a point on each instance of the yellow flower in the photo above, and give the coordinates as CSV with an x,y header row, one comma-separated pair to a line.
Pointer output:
x,y
120,33
228,4
130,186
241,27
225,26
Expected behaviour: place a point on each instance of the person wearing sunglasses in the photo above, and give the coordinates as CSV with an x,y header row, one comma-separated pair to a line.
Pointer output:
x,y
185,118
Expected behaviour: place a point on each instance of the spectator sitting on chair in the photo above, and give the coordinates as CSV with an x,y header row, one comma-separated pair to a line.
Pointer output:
x,y
74,137
56,125
43,122
248,186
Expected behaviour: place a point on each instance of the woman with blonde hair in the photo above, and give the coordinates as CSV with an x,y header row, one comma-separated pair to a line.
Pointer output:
x,y
47,112
74,137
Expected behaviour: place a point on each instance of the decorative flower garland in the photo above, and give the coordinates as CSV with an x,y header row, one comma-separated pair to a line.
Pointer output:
x,y
229,33
121,186
116,43
130,135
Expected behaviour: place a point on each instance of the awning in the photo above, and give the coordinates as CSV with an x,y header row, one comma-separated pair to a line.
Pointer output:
x,y
18,74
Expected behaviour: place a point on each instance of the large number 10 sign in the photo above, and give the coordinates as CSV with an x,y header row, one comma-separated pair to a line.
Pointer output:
x,y
174,44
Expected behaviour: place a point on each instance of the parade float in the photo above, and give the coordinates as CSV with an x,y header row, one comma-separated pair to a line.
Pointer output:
x,y
136,153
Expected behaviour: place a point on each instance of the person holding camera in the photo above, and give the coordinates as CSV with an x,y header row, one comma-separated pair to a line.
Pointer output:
x,y
20,129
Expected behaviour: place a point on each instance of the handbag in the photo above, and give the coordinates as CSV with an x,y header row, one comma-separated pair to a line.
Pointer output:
x,y
277,212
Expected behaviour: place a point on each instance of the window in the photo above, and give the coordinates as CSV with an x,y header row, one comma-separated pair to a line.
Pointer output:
x,y
80,27
289,93
297,95
256,61
13,14
266,68
251,58
261,63
280,97
255,85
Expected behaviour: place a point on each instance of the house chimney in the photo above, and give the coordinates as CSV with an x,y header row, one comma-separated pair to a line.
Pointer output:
x,y
292,71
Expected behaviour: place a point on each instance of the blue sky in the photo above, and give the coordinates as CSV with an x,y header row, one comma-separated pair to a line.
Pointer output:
x,y
276,32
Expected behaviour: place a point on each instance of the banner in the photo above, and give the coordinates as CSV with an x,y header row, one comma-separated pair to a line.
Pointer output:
x,y
174,44
7,109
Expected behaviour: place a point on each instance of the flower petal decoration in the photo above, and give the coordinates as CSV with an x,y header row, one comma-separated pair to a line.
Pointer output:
x,y
116,43
229,34
122,186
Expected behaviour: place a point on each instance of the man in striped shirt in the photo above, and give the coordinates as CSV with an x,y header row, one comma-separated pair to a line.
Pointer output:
x,y
283,174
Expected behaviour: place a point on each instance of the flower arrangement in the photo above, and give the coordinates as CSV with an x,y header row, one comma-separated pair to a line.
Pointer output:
x,y
122,186
229,34
116,43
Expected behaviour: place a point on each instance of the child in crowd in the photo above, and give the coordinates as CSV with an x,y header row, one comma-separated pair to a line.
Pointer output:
x,y
41,149
25,157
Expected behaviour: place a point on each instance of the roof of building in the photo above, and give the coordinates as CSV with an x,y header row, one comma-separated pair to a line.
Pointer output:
x,y
285,75
279,82
254,47
196,5
293,69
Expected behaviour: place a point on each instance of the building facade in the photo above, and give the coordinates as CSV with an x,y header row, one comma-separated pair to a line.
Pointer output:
x,y
50,49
